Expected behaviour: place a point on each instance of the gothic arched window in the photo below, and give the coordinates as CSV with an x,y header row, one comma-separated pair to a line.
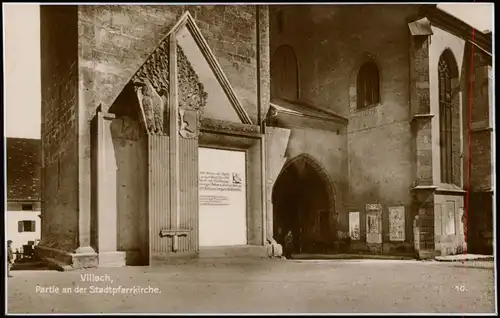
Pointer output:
x,y
284,74
280,21
447,78
367,85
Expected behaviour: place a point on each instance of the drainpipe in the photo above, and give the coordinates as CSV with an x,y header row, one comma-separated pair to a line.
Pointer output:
x,y
259,91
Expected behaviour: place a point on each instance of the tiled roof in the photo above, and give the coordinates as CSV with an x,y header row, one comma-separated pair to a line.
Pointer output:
x,y
305,109
23,169
454,25
293,114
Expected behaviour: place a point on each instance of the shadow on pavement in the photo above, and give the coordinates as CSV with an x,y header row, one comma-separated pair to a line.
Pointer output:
x,y
30,265
476,267
473,265
347,256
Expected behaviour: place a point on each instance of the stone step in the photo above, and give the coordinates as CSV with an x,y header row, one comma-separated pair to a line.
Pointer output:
x,y
28,265
236,251
112,259
306,256
57,265
464,257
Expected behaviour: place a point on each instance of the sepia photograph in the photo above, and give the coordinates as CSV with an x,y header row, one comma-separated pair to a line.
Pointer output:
x,y
249,158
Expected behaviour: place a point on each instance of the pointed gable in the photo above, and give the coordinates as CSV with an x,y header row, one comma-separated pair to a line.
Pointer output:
x,y
222,103
201,83
219,104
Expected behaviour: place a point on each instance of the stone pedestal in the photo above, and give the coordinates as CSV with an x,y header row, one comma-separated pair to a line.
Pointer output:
x,y
112,259
82,258
423,223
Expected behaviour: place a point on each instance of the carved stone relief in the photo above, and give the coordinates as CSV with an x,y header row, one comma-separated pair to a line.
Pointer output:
x,y
151,84
188,123
152,105
192,97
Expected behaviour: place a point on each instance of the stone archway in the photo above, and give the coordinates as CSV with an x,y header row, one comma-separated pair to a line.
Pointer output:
x,y
304,202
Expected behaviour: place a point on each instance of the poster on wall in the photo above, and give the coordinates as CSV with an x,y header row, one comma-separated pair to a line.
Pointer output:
x,y
373,224
449,218
397,223
354,231
222,197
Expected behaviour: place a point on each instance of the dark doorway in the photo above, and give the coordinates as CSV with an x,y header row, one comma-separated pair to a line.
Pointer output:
x,y
303,203
479,226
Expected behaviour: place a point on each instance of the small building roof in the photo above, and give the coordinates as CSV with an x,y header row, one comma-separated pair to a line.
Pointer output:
x,y
293,114
481,39
23,169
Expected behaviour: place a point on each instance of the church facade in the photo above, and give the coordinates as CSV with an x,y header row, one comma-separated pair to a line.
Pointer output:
x,y
181,131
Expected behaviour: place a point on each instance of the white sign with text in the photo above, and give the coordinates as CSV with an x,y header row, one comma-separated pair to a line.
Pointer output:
x,y
222,197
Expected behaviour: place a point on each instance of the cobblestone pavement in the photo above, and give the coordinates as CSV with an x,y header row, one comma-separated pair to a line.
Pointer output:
x,y
264,286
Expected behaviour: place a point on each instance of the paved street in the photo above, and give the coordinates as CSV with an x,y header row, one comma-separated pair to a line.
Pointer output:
x,y
266,286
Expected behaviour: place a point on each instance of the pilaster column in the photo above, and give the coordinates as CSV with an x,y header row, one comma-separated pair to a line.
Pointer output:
x,y
421,119
263,87
107,211
84,181
420,109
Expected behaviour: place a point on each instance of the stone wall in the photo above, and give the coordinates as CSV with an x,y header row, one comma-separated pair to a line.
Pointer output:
x,y
59,71
481,162
330,50
480,203
481,134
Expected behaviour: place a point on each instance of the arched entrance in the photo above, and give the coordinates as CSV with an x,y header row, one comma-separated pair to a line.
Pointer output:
x,y
304,203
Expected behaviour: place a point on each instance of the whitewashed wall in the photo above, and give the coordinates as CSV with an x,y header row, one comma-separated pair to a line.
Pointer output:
x,y
14,215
